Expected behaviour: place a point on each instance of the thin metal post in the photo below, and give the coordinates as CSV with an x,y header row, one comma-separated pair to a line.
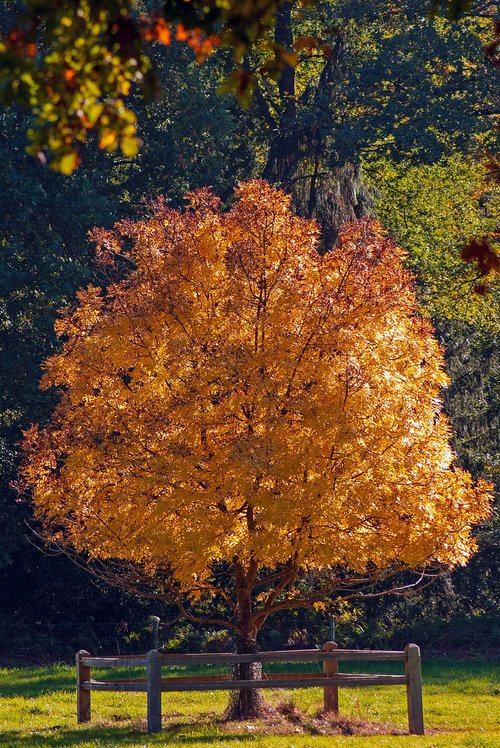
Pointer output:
x,y
332,629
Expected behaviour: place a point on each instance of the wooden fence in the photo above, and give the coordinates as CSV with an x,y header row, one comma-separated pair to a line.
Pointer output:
x,y
330,679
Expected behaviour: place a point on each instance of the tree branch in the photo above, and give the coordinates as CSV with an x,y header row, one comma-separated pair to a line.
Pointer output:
x,y
264,107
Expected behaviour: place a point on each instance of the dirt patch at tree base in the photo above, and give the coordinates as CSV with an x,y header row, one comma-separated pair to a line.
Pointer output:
x,y
287,719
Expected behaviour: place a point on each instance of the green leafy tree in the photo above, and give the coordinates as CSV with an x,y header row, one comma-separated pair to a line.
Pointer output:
x,y
74,63
192,137
393,83
473,402
434,210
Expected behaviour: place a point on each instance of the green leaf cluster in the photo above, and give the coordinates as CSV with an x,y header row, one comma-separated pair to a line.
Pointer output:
x,y
434,210
74,63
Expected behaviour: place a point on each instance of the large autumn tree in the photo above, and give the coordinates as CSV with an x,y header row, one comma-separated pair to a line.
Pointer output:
x,y
244,418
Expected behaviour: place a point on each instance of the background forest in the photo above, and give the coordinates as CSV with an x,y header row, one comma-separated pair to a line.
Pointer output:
x,y
394,122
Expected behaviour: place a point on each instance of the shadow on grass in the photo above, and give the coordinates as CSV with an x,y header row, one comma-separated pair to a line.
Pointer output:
x,y
30,683
103,736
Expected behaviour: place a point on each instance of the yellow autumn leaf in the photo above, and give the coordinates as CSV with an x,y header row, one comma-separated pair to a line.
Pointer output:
x,y
67,163
130,146
107,139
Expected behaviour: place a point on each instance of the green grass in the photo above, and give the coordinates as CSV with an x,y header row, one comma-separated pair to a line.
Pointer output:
x,y
37,709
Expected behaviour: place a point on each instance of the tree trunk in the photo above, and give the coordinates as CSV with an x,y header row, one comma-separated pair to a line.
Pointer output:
x,y
248,702
284,153
333,198
298,160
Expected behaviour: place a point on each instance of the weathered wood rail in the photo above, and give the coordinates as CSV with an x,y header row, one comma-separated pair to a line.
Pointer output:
x,y
330,679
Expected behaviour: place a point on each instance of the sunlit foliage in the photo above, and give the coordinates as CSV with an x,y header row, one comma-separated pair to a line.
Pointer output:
x,y
239,399
74,63
434,210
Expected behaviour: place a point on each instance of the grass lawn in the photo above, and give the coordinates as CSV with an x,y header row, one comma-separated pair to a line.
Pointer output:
x,y
461,707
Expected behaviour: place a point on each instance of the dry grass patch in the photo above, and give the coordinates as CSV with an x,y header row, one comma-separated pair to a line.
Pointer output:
x,y
286,718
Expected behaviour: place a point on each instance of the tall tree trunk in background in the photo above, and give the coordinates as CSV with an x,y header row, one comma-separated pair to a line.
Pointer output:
x,y
296,157
284,153
340,196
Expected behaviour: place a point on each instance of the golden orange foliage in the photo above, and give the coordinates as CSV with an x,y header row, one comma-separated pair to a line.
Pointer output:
x,y
240,398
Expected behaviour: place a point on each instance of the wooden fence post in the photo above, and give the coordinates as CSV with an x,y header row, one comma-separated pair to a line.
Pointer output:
x,y
153,683
331,693
155,630
414,690
82,696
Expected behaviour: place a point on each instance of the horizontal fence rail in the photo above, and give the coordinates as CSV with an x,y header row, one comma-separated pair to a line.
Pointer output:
x,y
330,680
226,683
229,658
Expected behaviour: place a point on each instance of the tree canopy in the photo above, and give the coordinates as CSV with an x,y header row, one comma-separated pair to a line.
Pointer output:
x,y
241,416
75,63
382,87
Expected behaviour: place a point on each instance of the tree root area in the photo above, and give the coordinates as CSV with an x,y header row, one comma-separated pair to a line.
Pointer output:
x,y
286,719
